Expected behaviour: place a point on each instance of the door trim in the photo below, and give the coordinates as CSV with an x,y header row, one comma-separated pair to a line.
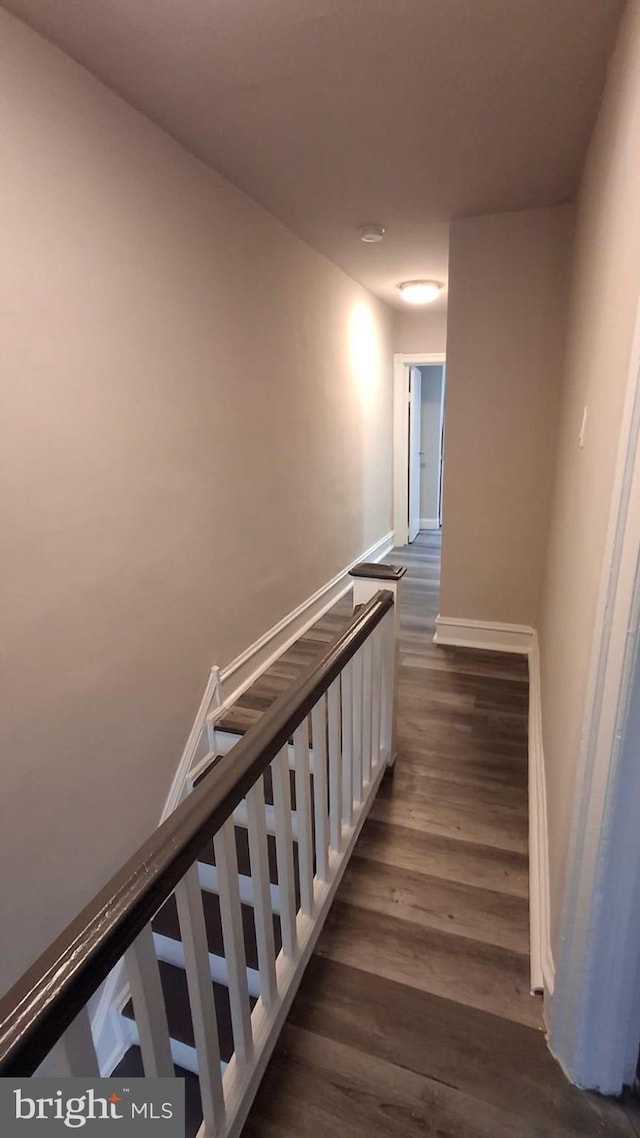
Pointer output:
x,y
401,363
414,471
594,1013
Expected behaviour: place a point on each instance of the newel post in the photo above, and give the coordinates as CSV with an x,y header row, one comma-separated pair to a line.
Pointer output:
x,y
368,578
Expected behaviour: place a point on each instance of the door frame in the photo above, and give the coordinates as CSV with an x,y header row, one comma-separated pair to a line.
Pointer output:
x,y
414,442
441,443
594,1011
402,361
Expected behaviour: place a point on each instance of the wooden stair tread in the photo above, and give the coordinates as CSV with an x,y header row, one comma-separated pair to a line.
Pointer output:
x,y
167,924
238,720
176,997
131,1067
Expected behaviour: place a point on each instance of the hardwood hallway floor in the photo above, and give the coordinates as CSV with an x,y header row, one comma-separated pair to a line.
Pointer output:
x,y
414,1016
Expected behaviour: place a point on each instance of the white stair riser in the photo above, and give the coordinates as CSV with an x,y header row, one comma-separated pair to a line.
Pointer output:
x,y
182,1054
208,876
240,819
171,951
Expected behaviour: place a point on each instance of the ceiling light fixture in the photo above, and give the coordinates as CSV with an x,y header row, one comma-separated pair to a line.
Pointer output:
x,y
420,292
371,233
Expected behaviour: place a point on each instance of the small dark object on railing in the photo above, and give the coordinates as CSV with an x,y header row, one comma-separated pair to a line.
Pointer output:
x,y
375,571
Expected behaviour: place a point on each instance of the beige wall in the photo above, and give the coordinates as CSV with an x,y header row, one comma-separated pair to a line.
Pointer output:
x,y
508,287
195,435
430,423
421,330
604,302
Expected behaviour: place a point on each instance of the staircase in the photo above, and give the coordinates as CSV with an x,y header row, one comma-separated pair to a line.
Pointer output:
x,y
170,951
216,916
225,732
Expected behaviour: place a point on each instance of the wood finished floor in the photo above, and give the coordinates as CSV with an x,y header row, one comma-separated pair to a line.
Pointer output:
x,y
414,1016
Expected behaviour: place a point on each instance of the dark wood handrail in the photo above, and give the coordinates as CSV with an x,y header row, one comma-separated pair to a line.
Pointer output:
x,y
37,1010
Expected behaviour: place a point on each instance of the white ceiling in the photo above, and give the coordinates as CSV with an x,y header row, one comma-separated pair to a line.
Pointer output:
x,y
332,113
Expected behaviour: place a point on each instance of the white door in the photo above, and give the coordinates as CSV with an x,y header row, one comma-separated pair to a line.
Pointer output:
x,y
415,380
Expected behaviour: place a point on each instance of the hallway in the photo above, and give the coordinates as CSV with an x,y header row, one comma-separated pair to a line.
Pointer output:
x,y
414,1015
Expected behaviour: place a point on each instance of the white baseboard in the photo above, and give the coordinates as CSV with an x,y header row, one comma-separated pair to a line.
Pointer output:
x,y
541,955
429,523
237,676
496,637
110,1032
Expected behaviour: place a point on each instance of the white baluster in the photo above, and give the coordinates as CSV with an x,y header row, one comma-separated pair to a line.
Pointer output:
x,y
203,1010
149,1007
389,653
303,813
335,765
321,817
376,698
347,743
208,875
357,726
368,580
284,851
224,844
367,709
263,913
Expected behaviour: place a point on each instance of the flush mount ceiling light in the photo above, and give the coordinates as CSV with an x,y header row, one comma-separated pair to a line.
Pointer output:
x,y
370,233
420,292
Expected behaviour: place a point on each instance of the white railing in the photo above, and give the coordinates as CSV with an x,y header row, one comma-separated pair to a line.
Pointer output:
x,y
331,750
345,744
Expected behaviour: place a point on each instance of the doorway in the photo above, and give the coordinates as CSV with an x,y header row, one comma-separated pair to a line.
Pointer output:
x,y
419,392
